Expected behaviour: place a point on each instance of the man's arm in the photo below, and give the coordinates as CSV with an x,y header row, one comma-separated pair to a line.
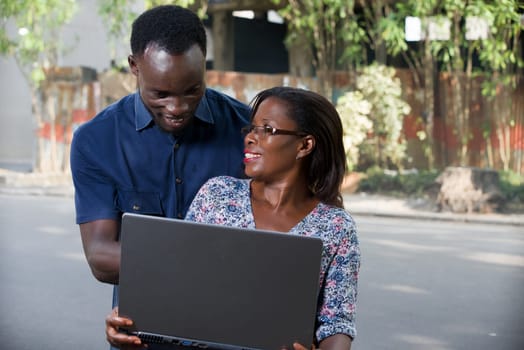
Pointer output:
x,y
102,249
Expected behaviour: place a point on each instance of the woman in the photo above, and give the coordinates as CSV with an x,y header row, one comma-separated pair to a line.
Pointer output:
x,y
295,161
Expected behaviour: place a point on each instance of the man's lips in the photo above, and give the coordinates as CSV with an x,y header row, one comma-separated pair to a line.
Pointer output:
x,y
174,119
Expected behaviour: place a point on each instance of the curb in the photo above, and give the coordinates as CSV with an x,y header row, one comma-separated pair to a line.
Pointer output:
x,y
357,204
54,191
382,206
39,184
466,218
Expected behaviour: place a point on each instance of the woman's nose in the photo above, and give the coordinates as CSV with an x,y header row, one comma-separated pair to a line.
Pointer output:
x,y
249,138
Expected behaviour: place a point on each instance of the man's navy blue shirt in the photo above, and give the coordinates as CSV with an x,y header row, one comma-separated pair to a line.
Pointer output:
x,y
122,162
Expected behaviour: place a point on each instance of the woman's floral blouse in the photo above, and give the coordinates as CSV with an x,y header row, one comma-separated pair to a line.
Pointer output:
x,y
226,200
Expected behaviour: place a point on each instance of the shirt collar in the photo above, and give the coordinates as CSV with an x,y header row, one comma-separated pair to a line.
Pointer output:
x,y
143,118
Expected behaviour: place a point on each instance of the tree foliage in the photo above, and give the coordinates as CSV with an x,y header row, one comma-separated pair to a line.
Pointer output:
x,y
419,58
386,146
372,118
30,33
118,16
496,52
328,26
354,112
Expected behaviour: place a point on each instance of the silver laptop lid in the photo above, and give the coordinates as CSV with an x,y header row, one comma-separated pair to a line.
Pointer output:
x,y
220,287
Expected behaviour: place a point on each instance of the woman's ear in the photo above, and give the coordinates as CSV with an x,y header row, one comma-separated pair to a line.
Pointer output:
x,y
307,145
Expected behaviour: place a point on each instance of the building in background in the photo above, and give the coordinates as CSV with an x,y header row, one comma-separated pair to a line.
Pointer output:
x,y
247,41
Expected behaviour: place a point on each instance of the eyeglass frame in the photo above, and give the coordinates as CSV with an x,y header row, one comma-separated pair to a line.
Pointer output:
x,y
268,130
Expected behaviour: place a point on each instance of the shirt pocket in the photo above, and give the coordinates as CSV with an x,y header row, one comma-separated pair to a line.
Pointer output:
x,y
139,202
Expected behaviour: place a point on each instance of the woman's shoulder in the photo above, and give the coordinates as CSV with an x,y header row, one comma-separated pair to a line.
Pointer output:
x,y
336,218
226,183
334,212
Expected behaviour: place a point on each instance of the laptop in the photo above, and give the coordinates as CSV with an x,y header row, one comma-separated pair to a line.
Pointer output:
x,y
195,285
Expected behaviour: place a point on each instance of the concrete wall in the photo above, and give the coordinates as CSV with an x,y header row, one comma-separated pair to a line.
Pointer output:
x,y
16,133
87,35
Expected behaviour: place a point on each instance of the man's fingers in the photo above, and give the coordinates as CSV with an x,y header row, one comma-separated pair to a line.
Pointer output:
x,y
113,320
121,340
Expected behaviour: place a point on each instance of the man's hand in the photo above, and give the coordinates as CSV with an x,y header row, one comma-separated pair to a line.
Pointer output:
x,y
118,339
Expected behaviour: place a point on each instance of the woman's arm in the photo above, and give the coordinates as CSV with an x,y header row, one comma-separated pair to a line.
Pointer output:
x,y
336,312
334,342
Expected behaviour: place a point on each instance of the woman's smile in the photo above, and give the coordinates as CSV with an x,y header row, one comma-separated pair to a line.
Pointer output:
x,y
249,156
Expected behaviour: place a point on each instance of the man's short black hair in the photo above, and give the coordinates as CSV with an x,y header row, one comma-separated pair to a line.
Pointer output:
x,y
173,28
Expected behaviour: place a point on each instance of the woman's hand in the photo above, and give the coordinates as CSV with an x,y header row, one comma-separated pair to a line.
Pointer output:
x,y
117,338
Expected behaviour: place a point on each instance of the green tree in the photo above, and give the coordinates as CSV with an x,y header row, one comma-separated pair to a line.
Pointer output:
x,y
497,53
502,61
386,145
328,26
118,16
29,33
373,14
354,112
419,58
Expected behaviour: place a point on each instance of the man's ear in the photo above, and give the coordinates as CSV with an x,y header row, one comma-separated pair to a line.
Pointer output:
x,y
133,65
307,145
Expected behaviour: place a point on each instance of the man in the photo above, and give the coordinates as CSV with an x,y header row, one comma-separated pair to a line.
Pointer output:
x,y
151,151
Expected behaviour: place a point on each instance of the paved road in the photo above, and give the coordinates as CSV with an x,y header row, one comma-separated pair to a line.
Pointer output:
x,y
48,299
431,285
438,285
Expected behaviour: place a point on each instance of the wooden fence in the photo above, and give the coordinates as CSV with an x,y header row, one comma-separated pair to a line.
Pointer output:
x,y
496,125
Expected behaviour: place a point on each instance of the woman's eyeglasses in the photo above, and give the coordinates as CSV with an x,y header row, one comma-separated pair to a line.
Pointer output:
x,y
267,130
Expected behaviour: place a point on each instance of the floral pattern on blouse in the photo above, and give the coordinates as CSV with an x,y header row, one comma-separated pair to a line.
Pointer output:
x,y
226,201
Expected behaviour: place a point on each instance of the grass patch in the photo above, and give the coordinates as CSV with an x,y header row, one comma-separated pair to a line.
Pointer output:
x,y
421,184
412,183
512,186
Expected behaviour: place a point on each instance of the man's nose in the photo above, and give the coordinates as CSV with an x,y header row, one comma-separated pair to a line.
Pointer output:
x,y
177,105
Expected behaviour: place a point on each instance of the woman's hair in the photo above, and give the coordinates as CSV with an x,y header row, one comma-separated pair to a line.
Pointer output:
x,y
173,28
316,116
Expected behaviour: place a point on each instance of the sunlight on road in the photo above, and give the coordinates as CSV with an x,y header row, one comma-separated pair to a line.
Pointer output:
x,y
422,341
496,258
404,289
410,246
53,230
74,256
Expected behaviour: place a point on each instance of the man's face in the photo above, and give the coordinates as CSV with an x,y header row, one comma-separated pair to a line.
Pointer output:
x,y
171,86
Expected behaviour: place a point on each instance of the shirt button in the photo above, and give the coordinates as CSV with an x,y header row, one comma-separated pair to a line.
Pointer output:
x,y
178,180
177,146
136,207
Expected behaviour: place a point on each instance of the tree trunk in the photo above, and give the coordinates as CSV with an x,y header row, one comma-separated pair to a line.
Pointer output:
x,y
429,105
223,41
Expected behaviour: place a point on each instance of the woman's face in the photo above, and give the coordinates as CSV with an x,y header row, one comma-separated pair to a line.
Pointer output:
x,y
270,154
